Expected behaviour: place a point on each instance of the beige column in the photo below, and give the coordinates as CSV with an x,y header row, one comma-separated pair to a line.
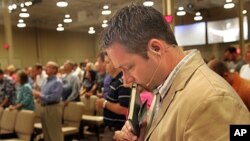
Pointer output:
x,y
215,51
168,9
8,30
241,40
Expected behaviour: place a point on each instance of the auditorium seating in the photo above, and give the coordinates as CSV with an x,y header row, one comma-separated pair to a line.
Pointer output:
x,y
17,125
71,118
90,116
8,121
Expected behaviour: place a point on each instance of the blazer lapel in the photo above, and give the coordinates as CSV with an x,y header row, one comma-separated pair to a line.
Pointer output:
x,y
178,84
159,115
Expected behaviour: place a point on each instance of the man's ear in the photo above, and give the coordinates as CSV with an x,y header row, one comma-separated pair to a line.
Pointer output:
x,y
154,46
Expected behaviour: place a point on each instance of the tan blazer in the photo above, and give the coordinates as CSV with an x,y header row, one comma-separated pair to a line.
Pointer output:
x,y
199,106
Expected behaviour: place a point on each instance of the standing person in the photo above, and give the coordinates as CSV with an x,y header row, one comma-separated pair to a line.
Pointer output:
x,y
7,90
233,60
97,89
245,69
71,84
40,76
190,101
240,85
25,98
51,110
11,72
115,106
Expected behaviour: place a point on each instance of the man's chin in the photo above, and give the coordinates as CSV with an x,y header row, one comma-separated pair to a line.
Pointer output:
x,y
147,88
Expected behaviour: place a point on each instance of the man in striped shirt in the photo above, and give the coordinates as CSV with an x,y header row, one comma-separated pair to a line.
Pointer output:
x,y
116,104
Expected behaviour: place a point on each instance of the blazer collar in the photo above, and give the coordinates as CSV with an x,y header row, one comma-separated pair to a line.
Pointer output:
x,y
179,83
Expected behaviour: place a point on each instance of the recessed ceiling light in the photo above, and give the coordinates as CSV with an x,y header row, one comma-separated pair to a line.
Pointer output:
x,y
104,25
20,21
67,20
60,27
21,25
24,15
148,3
106,12
62,3
91,30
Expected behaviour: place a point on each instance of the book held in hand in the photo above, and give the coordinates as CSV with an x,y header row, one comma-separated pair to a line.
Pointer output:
x,y
137,110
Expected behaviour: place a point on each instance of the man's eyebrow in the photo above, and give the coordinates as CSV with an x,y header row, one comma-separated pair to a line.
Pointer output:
x,y
119,67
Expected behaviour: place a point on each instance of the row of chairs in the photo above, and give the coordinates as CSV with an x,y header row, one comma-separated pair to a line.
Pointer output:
x,y
76,114
92,116
72,114
16,125
21,124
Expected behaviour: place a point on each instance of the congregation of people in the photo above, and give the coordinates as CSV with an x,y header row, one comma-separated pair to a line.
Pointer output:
x,y
236,71
183,96
52,86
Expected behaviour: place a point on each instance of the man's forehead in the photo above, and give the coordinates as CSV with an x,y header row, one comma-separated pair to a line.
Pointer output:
x,y
116,53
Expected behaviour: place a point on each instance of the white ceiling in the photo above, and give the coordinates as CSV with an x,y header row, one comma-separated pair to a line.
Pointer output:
x,y
86,13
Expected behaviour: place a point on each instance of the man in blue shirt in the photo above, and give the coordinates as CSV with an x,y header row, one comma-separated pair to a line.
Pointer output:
x,y
71,84
51,111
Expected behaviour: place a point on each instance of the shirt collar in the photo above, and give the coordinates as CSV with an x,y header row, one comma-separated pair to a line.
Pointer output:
x,y
51,78
164,87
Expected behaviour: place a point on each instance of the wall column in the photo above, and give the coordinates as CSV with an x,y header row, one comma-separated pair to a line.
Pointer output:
x,y
8,31
241,40
168,9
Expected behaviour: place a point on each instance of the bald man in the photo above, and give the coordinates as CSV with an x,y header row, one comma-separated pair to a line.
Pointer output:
x,y
51,111
240,85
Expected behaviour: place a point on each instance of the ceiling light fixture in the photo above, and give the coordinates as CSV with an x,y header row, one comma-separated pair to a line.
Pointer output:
x,y
21,23
181,11
229,4
22,5
20,20
28,3
67,19
12,7
148,3
62,3
24,9
198,16
106,10
24,15
91,30
60,27
104,23
244,12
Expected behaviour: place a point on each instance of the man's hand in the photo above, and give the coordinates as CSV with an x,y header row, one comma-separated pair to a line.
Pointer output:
x,y
88,94
36,94
125,134
65,103
11,107
99,103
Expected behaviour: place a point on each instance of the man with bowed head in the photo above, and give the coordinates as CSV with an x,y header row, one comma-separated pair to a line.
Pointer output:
x,y
190,101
